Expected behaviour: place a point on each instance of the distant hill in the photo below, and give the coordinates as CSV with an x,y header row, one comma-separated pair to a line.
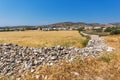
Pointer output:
x,y
80,24
116,24
69,25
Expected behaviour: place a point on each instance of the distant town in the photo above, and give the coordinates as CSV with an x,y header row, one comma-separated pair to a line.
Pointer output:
x,y
62,26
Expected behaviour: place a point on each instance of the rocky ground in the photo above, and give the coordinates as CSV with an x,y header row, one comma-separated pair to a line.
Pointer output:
x,y
17,59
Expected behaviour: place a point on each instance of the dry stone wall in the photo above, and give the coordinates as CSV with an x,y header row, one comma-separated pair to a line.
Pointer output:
x,y
17,59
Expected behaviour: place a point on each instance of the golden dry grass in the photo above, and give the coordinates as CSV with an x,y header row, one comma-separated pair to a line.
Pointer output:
x,y
106,67
113,41
43,38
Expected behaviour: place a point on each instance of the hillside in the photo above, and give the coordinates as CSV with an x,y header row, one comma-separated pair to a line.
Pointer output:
x,y
74,25
80,24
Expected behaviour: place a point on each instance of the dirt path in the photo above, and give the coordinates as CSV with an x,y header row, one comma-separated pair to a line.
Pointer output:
x,y
94,37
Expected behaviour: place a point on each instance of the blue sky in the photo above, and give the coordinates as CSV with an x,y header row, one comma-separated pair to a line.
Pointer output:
x,y
38,12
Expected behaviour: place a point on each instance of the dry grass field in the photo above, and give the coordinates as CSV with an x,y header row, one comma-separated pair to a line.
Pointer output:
x,y
43,38
106,67
113,41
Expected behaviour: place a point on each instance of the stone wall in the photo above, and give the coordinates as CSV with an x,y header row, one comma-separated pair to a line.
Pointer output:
x,y
17,59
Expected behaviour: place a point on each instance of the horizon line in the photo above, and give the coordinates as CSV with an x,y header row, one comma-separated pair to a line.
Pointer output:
x,y
60,22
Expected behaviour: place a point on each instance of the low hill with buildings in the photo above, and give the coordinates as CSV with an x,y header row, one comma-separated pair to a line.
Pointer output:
x,y
60,26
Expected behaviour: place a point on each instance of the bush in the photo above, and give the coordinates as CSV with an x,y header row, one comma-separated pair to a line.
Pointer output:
x,y
80,29
108,57
115,32
98,30
85,42
108,29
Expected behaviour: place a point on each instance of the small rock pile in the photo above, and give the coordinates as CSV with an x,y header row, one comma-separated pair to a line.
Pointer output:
x,y
16,59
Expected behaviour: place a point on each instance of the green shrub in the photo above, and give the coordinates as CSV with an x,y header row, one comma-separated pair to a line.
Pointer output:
x,y
99,30
80,29
108,57
85,42
108,29
117,31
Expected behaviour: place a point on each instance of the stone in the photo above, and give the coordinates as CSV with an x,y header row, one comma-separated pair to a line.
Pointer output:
x,y
18,78
17,59
32,70
110,49
54,57
75,73
37,76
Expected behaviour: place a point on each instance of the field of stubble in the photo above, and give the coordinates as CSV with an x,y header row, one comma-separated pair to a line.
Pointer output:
x,y
43,38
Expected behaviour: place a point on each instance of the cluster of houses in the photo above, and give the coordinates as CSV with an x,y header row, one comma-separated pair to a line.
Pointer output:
x,y
11,29
44,28
72,28
55,29
35,28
